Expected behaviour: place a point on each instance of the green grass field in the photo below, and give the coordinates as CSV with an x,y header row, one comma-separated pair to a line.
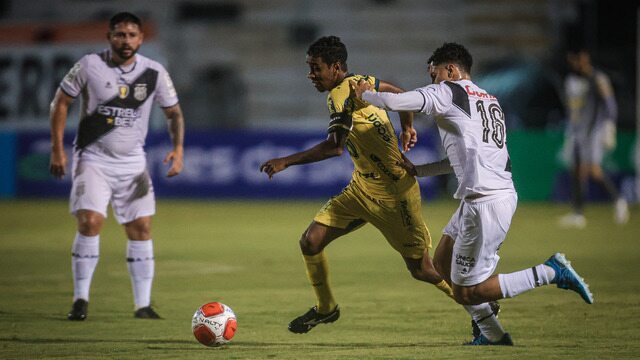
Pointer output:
x,y
246,255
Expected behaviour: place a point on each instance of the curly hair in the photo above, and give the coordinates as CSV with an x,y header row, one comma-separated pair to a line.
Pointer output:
x,y
331,50
452,52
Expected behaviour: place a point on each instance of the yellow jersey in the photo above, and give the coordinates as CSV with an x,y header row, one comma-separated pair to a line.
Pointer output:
x,y
371,142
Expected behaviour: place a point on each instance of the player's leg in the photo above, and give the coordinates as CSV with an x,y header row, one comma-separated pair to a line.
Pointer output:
x,y
141,265
621,207
475,258
442,262
483,227
423,269
133,206
312,243
442,257
579,177
556,270
88,202
336,218
400,221
598,175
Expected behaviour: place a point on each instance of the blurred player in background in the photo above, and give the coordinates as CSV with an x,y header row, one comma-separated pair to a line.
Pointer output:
x,y
380,192
473,133
591,132
118,87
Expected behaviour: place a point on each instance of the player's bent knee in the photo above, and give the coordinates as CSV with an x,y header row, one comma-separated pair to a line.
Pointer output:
x,y
431,277
308,245
466,295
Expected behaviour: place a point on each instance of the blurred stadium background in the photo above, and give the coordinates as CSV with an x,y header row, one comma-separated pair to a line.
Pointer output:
x,y
239,69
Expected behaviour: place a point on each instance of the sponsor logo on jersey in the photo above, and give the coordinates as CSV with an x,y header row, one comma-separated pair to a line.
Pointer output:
x,y
381,129
479,94
140,92
123,91
117,116
466,261
383,168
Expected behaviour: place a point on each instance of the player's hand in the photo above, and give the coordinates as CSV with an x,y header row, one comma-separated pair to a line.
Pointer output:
x,y
408,139
609,135
359,87
58,163
408,166
273,166
174,156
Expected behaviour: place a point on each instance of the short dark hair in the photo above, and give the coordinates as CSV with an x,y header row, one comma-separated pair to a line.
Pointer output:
x,y
126,17
452,52
331,50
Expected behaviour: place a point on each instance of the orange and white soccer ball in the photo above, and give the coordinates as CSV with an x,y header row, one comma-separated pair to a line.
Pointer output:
x,y
214,324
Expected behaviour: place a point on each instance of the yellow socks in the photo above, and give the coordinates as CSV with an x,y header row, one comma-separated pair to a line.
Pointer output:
x,y
318,274
444,287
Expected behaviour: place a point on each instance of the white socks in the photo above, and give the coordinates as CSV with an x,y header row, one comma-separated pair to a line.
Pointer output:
x,y
486,321
84,259
520,281
141,268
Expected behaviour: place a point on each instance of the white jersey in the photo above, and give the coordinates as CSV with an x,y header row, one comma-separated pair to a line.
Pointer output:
x,y
472,130
590,104
116,104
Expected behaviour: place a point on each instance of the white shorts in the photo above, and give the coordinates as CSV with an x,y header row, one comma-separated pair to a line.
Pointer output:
x,y
587,150
94,186
478,229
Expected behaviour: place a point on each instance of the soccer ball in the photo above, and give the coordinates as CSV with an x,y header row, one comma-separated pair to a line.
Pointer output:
x,y
214,324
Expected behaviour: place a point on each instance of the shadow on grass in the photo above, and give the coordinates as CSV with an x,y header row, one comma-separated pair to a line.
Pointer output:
x,y
332,344
238,344
16,339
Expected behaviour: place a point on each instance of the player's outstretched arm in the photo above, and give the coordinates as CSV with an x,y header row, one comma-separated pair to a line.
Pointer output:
x,y
58,117
332,146
412,101
408,134
430,169
175,120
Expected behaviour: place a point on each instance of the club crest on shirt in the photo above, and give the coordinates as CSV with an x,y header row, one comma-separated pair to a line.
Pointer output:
x,y
123,91
140,92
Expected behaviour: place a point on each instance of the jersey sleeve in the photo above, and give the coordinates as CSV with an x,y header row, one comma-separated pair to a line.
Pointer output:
x,y
438,98
606,92
431,99
340,109
165,95
76,79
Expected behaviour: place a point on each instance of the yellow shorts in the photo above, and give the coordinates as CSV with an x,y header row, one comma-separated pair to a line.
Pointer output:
x,y
399,220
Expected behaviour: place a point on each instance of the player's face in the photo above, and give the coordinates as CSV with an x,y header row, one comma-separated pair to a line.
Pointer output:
x,y
579,62
323,76
125,40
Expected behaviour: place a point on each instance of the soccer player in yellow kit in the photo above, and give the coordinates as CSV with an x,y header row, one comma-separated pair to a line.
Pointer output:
x,y
381,192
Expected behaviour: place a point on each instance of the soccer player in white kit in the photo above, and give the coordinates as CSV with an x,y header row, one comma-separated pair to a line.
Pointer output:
x,y
118,87
473,133
591,128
